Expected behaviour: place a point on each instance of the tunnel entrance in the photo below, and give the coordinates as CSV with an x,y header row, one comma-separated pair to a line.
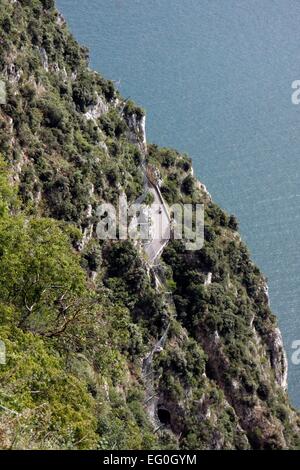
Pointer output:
x,y
164,415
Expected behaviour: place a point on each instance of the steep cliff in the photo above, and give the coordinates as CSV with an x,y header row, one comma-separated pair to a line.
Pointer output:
x,y
106,349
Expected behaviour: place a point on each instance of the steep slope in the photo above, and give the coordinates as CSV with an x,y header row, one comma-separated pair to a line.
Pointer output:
x,y
104,350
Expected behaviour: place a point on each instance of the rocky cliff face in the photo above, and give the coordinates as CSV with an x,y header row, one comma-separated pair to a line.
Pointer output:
x,y
185,354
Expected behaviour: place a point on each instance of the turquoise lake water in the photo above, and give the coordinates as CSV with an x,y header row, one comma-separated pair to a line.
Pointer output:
x,y
215,79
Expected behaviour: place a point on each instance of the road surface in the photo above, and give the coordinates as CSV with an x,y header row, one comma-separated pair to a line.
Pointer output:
x,y
160,226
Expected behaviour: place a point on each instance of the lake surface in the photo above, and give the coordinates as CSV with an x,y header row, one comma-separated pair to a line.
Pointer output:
x,y
215,79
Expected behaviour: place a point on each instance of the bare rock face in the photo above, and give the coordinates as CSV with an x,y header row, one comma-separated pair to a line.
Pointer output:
x,y
137,131
278,357
274,342
97,110
86,237
208,279
13,73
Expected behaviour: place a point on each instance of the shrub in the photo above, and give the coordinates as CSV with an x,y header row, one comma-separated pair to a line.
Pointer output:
x,y
188,185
